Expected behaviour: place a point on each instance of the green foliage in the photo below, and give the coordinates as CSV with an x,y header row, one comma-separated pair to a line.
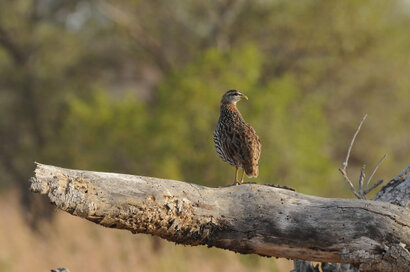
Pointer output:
x,y
294,133
188,109
310,70
103,133
174,137
134,87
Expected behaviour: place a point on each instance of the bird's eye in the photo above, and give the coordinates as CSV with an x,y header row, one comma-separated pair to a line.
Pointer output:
x,y
234,93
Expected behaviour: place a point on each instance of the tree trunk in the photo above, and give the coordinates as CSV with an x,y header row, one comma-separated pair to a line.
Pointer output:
x,y
249,218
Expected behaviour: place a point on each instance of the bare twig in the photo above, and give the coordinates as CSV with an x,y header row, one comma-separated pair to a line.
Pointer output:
x,y
363,188
343,171
361,178
359,194
374,170
368,190
352,142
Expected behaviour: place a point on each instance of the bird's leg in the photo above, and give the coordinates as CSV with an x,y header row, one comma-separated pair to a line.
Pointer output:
x,y
243,175
235,182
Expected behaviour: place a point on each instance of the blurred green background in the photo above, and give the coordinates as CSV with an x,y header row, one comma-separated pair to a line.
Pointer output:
x,y
134,87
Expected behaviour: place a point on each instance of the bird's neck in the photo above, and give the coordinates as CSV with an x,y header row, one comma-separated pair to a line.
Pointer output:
x,y
230,109
229,106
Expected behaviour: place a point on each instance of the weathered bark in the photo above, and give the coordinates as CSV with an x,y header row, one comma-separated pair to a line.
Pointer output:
x,y
250,218
396,192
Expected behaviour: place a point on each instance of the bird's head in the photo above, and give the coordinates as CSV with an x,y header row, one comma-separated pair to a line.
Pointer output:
x,y
232,96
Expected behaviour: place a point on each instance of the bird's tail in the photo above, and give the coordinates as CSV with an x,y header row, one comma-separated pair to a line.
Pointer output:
x,y
252,171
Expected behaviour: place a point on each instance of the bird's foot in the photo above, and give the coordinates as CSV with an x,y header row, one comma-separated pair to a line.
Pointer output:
x,y
243,175
236,182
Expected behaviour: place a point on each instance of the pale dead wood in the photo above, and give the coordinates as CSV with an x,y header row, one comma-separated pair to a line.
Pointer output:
x,y
343,170
363,188
367,189
345,163
397,190
250,218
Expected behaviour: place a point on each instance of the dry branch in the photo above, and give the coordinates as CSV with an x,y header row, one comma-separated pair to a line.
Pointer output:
x,y
250,218
363,188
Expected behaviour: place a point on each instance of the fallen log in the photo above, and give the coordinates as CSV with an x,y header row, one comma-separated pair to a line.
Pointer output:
x,y
250,218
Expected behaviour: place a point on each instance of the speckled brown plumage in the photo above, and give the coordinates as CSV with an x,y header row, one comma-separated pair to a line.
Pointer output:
x,y
235,140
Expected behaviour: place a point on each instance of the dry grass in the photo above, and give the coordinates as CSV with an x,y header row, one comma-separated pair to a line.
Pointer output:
x,y
80,246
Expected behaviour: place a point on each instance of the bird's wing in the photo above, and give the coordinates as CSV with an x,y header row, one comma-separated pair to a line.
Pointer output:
x,y
255,145
248,145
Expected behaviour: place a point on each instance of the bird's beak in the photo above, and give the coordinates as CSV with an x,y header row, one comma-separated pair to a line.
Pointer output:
x,y
244,97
